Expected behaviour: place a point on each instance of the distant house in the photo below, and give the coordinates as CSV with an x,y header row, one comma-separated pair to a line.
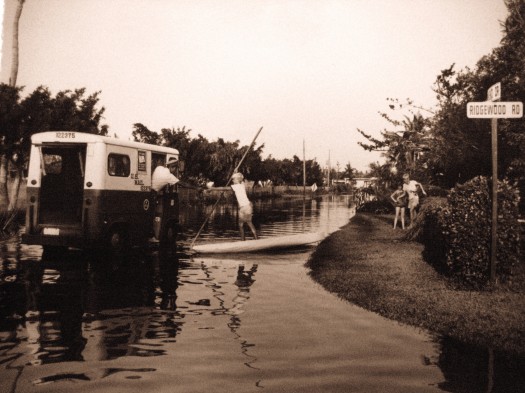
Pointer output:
x,y
364,182
346,180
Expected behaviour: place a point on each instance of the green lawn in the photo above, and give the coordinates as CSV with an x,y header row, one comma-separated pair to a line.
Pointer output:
x,y
369,264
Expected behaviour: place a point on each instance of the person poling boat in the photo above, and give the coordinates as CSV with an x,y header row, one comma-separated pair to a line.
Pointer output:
x,y
245,206
241,223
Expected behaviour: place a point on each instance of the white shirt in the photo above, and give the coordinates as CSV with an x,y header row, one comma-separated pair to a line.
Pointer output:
x,y
162,177
240,194
411,189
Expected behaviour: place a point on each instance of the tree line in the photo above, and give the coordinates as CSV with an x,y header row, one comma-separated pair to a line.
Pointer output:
x,y
215,161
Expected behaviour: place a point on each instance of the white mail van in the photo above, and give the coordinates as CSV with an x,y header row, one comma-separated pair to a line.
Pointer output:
x,y
90,191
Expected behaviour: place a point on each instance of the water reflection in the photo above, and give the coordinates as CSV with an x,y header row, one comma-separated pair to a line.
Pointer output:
x,y
244,281
77,309
470,369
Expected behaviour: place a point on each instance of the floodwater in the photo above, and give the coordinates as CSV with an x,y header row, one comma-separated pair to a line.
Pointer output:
x,y
238,323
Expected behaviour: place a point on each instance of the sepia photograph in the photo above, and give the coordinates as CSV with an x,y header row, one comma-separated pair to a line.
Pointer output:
x,y
262,196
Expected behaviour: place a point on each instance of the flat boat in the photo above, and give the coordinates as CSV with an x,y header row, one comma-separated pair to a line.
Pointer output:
x,y
270,243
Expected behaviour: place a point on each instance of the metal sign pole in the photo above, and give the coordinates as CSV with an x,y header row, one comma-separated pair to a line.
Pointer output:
x,y
494,109
494,230
494,95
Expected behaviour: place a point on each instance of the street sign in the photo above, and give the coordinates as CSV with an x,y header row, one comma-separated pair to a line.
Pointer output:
x,y
495,110
494,92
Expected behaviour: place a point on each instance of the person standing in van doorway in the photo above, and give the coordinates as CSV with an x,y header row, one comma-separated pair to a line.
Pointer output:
x,y
245,206
164,176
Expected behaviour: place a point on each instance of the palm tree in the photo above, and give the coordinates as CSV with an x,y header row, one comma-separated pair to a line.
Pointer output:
x,y
5,203
405,147
14,60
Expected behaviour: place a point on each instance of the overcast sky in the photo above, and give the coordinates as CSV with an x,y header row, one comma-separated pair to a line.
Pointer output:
x,y
303,69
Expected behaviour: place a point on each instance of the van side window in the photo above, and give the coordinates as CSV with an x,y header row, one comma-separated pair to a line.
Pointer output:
x,y
142,165
118,165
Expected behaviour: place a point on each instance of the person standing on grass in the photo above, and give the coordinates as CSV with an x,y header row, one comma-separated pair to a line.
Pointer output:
x,y
400,201
410,187
245,206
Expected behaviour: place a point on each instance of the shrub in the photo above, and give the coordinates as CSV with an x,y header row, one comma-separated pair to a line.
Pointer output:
x,y
427,230
435,191
464,228
378,206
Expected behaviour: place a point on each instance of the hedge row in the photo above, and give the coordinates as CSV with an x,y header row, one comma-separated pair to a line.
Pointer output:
x,y
457,234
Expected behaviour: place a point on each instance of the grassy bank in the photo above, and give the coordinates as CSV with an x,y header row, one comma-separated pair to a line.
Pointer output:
x,y
369,264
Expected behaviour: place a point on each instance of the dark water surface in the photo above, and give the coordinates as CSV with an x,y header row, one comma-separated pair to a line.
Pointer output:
x,y
238,323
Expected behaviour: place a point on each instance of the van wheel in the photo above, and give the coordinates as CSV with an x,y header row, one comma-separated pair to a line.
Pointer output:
x,y
119,240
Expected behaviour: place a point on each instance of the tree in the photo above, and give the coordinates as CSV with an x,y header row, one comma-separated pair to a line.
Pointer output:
x,y
252,164
403,149
314,173
15,47
349,172
38,112
11,99
10,120
141,133
386,177
461,147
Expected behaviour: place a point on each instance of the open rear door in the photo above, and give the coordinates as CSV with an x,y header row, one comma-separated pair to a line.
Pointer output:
x,y
62,186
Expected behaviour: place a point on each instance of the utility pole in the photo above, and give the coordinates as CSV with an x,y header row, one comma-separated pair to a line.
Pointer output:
x,y
304,170
329,170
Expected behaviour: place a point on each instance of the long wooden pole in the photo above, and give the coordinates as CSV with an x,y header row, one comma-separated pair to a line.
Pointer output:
x,y
227,184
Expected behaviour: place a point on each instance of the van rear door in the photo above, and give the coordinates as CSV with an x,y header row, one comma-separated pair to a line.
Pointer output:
x,y
62,184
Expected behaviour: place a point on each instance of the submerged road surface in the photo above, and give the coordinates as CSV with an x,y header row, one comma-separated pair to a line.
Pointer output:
x,y
239,323
245,324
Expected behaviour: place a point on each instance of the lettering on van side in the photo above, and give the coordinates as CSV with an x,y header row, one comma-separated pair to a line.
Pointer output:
x,y
65,135
138,181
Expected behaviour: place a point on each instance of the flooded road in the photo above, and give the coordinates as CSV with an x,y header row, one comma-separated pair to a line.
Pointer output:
x,y
238,323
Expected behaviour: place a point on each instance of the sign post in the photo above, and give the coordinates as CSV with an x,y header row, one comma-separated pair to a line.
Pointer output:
x,y
494,230
494,109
